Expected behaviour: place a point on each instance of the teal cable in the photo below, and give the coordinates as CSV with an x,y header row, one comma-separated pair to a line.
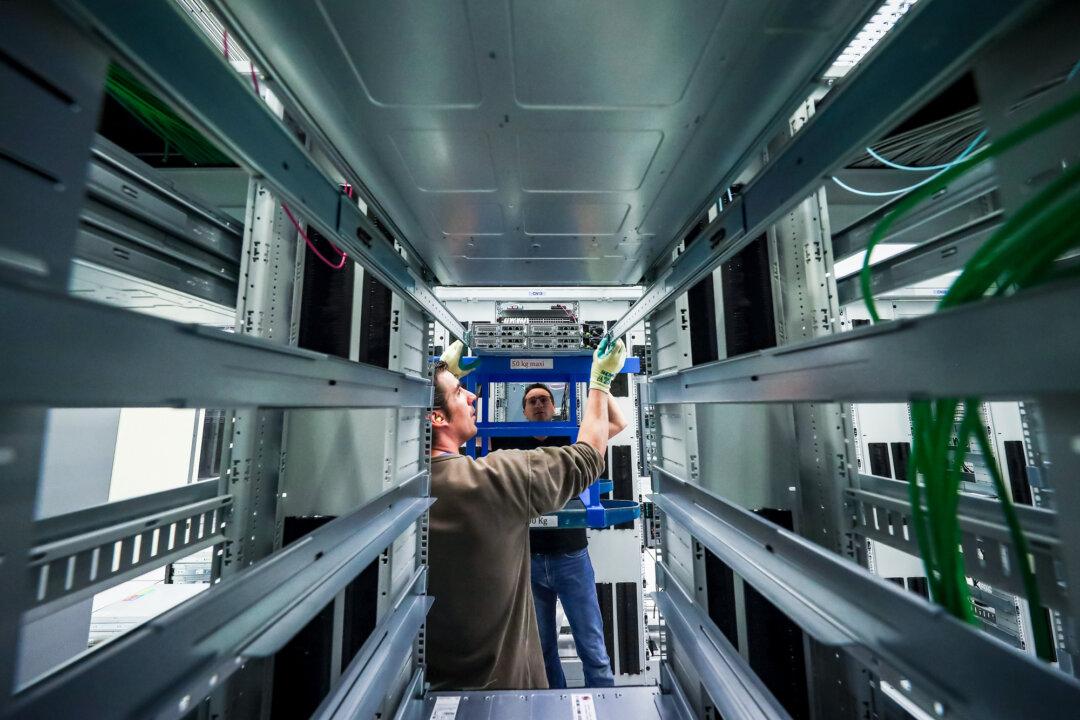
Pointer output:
x,y
1051,117
927,168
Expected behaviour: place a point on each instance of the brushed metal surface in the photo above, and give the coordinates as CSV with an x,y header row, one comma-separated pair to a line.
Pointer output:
x,y
553,143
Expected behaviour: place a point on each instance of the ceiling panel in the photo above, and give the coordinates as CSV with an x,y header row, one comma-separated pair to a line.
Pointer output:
x,y
465,215
571,215
532,129
589,161
406,53
594,44
447,161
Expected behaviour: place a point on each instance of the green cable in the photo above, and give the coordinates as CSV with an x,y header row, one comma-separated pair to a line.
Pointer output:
x,y
1054,231
942,482
984,268
1008,260
962,606
159,118
918,516
1048,119
1051,221
1039,627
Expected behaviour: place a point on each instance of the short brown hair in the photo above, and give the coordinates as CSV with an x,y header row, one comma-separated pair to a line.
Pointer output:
x,y
438,402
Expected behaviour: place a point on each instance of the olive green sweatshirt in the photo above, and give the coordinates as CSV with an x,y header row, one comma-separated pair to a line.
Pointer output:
x,y
481,631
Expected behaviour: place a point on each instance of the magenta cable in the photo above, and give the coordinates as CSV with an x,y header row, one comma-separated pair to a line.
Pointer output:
x,y
336,266
344,256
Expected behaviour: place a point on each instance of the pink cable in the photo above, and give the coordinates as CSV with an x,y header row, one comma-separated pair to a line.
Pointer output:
x,y
344,256
255,79
341,262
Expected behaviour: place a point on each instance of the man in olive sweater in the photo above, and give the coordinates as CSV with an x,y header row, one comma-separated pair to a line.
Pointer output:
x,y
561,568
482,632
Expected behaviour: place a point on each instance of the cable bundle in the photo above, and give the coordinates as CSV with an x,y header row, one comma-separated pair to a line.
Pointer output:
x,y
929,147
160,119
1020,254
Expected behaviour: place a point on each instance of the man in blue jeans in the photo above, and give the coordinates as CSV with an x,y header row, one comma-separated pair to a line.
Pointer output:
x,y
561,569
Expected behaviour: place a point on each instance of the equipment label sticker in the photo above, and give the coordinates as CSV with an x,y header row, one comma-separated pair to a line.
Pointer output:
x,y
532,363
544,521
583,706
445,708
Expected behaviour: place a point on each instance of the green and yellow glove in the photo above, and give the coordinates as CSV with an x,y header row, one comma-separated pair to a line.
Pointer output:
x,y
607,362
458,365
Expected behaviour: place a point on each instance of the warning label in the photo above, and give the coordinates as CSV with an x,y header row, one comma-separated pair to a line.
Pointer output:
x,y
532,363
583,706
445,708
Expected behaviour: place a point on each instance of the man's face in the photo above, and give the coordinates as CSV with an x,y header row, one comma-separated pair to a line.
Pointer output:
x,y
459,422
538,405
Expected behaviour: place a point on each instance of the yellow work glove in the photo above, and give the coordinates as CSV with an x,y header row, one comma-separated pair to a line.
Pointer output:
x,y
455,363
607,362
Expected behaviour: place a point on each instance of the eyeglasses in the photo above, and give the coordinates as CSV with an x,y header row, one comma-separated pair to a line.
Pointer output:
x,y
539,400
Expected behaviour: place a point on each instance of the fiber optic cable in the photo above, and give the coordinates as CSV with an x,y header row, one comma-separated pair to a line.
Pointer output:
x,y
1019,254
159,118
945,168
934,184
925,168
299,228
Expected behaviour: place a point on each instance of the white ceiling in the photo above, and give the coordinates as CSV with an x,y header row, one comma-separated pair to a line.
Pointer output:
x,y
562,142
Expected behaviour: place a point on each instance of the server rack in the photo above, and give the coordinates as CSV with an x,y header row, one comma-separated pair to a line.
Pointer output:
x,y
862,630
787,537
281,577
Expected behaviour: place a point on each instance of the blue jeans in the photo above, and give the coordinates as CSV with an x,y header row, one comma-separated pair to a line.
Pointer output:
x,y
569,577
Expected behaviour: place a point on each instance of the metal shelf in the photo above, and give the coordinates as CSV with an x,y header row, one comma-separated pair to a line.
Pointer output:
x,y
213,635
75,556
840,604
155,36
923,52
122,181
902,360
943,254
177,366
881,511
362,687
738,692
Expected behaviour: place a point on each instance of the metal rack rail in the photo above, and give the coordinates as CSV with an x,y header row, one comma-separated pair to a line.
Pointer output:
x,y
794,574
64,352
915,61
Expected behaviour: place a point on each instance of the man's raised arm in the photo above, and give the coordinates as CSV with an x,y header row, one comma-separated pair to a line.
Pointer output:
x,y
596,421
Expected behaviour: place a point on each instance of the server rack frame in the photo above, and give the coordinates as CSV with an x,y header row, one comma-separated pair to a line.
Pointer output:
x,y
255,606
815,371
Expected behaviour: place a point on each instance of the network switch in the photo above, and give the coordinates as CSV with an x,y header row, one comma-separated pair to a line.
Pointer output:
x,y
555,343
561,330
480,330
500,343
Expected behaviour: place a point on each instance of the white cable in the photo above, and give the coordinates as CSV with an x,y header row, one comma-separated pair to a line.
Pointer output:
x,y
888,193
927,168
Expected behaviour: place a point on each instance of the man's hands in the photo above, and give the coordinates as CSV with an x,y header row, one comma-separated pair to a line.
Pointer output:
x,y
459,366
607,362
